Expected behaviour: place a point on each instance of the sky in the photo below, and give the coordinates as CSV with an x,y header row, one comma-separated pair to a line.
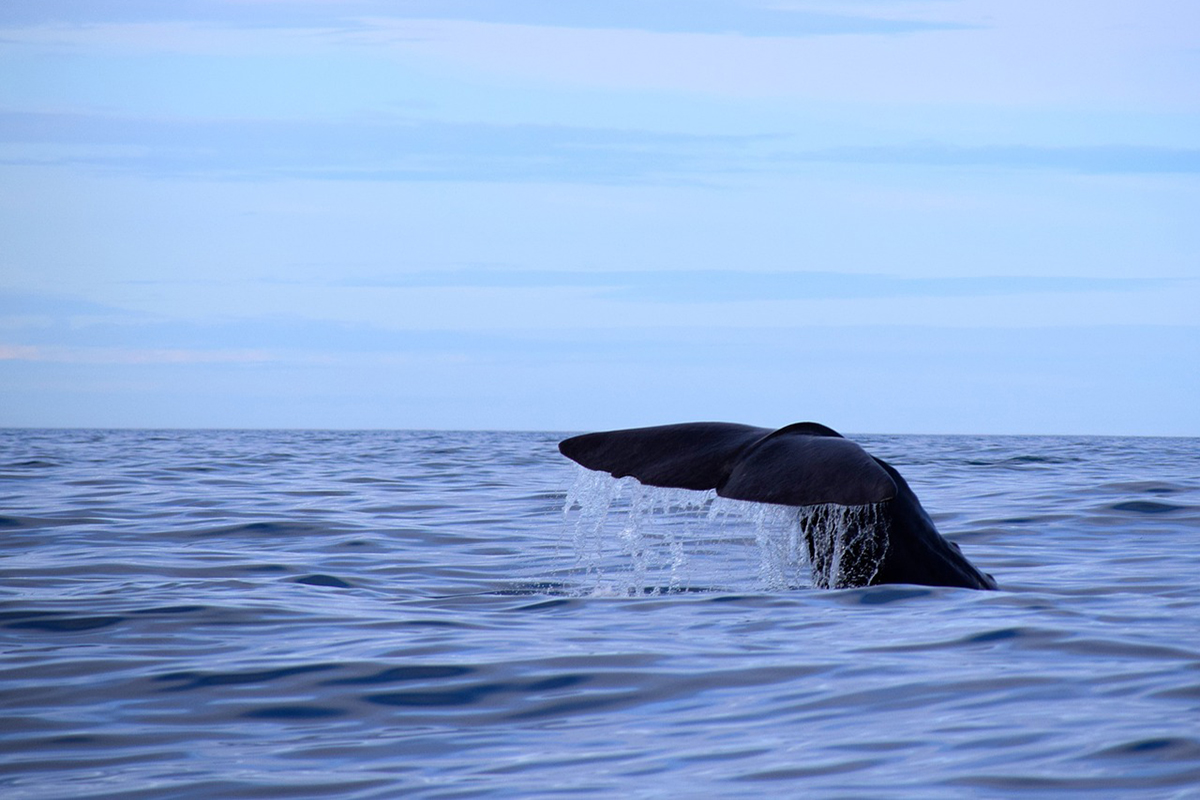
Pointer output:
x,y
938,216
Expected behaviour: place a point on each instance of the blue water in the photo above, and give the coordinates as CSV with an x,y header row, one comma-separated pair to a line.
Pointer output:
x,y
225,614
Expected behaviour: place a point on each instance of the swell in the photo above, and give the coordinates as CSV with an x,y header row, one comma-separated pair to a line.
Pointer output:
x,y
382,614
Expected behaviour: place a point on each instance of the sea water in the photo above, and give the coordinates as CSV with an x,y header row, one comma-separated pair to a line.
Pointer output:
x,y
226,614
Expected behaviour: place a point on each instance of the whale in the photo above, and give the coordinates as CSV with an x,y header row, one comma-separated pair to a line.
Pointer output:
x,y
883,535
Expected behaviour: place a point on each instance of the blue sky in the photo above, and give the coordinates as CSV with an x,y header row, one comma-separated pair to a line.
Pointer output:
x,y
954,216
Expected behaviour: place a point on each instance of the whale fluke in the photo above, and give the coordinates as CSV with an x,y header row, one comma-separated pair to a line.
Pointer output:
x,y
805,464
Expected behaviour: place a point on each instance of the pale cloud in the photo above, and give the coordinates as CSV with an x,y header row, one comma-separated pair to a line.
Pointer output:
x,y
372,150
740,17
1033,380
1021,58
171,37
1074,54
474,308
83,355
725,286
1095,159
403,150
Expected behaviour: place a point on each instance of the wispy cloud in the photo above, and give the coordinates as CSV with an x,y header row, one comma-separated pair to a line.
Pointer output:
x,y
399,150
663,16
121,355
410,150
455,313
734,286
54,306
1047,380
669,16
1086,159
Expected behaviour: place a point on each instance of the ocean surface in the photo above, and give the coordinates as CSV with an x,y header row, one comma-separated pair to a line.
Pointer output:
x,y
268,614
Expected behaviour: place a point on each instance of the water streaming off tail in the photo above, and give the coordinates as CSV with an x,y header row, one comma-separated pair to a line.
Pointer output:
x,y
631,539
847,543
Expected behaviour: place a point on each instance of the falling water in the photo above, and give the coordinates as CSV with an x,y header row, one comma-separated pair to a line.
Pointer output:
x,y
639,549
632,539
848,543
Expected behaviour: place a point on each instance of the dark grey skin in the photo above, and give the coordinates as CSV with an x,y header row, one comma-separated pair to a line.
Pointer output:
x,y
804,464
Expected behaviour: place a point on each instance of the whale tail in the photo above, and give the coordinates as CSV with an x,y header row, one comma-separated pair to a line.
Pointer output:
x,y
805,464
801,465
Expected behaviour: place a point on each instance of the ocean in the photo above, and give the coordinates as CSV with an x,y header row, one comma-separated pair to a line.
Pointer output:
x,y
381,614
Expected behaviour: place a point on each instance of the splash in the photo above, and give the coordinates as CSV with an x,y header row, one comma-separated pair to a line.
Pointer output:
x,y
631,539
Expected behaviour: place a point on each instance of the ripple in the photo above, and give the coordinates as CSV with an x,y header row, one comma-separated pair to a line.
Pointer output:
x,y
812,771
293,712
186,681
33,463
883,595
416,672
1144,487
1147,507
260,529
170,610
53,622
318,579
1159,749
